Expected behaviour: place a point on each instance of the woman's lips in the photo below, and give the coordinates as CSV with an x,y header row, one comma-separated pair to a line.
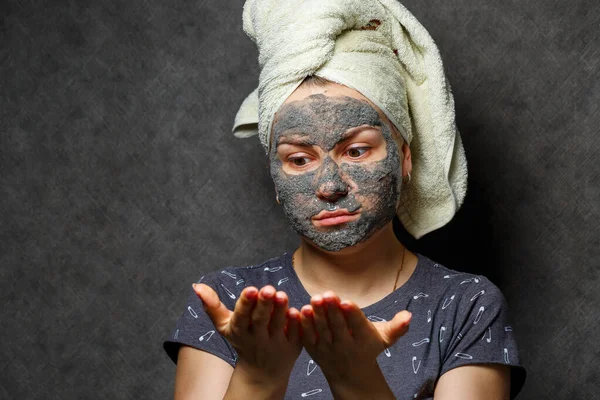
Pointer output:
x,y
330,218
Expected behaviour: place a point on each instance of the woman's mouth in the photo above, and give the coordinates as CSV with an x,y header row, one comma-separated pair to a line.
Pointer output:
x,y
330,218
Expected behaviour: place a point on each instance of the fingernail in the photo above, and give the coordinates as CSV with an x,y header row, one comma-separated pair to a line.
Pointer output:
x,y
194,285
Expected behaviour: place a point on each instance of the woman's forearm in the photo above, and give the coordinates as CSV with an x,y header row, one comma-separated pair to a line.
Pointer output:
x,y
371,385
245,384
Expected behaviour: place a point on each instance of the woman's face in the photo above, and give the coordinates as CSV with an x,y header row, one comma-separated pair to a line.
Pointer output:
x,y
335,165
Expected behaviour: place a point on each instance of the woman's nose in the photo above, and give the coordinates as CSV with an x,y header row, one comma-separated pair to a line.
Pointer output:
x,y
330,185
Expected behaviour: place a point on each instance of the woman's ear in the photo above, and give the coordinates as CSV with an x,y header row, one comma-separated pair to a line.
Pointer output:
x,y
405,151
406,159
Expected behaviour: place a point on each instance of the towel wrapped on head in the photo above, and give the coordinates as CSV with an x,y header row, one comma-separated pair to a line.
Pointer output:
x,y
378,48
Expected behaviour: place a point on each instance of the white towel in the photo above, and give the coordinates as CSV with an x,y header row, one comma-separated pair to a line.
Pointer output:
x,y
378,48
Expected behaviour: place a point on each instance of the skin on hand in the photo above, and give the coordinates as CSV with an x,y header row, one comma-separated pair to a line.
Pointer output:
x,y
343,342
262,330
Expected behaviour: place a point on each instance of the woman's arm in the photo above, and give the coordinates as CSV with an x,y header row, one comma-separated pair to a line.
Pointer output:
x,y
345,344
201,375
265,334
475,382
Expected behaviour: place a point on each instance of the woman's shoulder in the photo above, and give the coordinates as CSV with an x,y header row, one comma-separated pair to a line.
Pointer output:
x,y
446,281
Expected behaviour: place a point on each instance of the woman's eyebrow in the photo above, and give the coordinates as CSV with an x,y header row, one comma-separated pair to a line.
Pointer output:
x,y
296,139
350,133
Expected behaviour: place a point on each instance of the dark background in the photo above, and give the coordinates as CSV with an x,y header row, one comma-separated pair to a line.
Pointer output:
x,y
121,184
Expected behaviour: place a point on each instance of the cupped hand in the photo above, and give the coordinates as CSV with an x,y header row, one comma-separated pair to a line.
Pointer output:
x,y
262,329
342,341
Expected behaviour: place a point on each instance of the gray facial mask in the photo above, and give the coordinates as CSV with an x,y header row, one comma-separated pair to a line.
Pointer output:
x,y
322,120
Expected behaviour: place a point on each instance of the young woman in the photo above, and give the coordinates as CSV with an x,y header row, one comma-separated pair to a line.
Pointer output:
x,y
351,313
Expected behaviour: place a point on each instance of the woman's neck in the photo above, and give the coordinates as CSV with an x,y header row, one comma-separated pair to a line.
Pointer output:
x,y
364,273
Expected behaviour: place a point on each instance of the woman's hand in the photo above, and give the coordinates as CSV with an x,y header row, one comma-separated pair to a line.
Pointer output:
x,y
345,344
263,331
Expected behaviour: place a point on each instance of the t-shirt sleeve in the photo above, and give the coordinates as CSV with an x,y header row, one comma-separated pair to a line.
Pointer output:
x,y
194,328
483,333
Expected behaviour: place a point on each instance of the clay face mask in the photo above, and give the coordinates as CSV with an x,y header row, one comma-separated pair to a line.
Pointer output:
x,y
369,188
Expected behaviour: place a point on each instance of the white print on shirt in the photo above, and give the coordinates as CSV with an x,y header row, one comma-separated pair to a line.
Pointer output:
x,y
428,316
229,293
478,316
420,342
311,392
310,370
506,355
508,329
442,330
436,265
176,334
229,274
239,282
489,333
274,269
206,337
415,369
480,293
421,294
192,312
200,281
464,356
459,336
450,276
283,280
470,280
446,305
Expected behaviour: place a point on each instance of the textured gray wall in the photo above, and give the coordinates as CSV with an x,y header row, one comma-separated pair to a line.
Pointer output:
x,y
121,184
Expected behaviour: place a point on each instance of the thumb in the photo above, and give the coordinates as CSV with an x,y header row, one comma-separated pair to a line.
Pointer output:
x,y
391,331
218,313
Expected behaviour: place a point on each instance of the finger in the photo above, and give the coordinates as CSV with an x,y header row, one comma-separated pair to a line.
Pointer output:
x,y
391,331
337,321
240,320
320,320
356,320
309,335
218,313
293,327
278,319
264,307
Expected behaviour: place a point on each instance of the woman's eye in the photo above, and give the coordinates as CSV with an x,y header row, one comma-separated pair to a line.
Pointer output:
x,y
299,161
356,152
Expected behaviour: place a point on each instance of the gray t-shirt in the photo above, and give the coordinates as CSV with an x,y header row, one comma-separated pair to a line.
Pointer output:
x,y
457,319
